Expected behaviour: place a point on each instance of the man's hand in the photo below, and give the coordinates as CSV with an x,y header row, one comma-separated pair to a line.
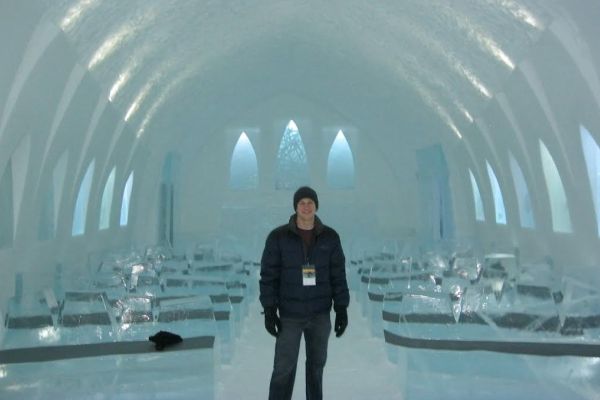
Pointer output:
x,y
341,322
272,321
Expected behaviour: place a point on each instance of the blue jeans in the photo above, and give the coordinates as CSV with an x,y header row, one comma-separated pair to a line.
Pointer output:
x,y
316,332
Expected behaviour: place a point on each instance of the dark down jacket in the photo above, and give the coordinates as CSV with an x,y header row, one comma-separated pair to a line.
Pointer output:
x,y
281,272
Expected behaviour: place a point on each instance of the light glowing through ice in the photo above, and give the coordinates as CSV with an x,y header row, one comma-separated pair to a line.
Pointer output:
x,y
521,13
441,111
136,60
135,105
48,335
293,127
471,77
496,51
75,13
441,49
148,117
486,42
110,45
120,37
455,130
465,112
173,83
119,83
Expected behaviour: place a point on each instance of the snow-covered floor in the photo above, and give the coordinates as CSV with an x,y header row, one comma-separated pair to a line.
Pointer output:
x,y
357,369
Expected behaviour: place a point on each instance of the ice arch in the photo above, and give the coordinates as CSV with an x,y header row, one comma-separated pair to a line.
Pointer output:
x,y
477,202
561,216
106,202
499,209
591,152
522,192
125,200
81,203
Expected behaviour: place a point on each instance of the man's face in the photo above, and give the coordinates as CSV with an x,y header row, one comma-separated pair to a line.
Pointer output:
x,y
306,209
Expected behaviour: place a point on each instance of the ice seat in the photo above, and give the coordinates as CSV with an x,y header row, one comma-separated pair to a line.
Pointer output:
x,y
84,308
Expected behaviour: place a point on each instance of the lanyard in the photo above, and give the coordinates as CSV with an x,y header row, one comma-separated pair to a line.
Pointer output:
x,y
305,244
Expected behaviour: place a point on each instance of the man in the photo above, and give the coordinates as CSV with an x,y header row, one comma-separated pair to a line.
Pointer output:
x,y
302,274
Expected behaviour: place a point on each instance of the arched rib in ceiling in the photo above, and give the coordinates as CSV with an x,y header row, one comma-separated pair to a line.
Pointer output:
x,y
455,56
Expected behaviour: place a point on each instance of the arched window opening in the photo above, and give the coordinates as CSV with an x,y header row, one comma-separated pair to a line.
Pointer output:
x,y
107,198
500,211
591,153
124,219
81,204
561,218
292,165
479,215
522,192
243,170
340,164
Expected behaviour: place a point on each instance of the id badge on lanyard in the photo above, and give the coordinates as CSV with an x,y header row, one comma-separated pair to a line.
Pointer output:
x,y
309,277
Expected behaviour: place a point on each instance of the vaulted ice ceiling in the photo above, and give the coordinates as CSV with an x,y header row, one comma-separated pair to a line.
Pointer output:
x,y
123,83
454,56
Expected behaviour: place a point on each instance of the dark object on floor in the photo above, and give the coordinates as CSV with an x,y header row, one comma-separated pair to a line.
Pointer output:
x,y
163,339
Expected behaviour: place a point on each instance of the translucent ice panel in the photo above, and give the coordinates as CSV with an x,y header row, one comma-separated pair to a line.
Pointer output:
x,y
169,170
292,165
340,164
497,193
125,202
479,215
46,224
107,196
6,207
591,152
80,213
523,198
561,219
49,215
243,171
20,165
58,180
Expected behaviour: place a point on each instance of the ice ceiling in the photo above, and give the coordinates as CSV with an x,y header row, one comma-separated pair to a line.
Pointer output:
x,y
151,55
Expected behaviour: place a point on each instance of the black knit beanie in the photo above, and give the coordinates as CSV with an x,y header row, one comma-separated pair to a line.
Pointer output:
x,y
305,193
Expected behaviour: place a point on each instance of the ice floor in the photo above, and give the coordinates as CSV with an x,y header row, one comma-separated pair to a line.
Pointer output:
x,y
357,368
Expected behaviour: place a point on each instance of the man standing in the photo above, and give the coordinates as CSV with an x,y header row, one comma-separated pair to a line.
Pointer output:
x,y
302,274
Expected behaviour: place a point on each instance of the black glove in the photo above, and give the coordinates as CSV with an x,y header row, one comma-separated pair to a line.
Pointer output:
x,y
163,339
341,321
272,321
